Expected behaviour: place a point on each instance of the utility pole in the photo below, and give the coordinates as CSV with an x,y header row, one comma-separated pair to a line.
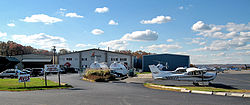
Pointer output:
x,y
54,54
54,62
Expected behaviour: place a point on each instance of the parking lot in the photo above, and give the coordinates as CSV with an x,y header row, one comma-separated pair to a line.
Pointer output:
x,y
107,93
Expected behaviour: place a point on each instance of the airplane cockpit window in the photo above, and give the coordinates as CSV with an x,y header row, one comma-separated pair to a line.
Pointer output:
x,y
195,73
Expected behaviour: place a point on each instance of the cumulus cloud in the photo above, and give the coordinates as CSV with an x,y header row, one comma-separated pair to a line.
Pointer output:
x,y
11,25
102,10
73,15
231,36
42,40
170,40
41,18
200,26
162,47
112,22
146,35
3,34
97,31
157,20
115,44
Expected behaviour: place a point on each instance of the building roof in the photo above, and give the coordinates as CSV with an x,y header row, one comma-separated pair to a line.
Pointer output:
x,y
166,54
96,49
36,60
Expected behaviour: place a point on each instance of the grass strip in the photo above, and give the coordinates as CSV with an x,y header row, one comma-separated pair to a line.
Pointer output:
x,y
199,88
34,84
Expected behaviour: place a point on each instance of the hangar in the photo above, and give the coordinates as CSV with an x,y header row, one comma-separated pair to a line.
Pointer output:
x,y
33,60
84,58
173,61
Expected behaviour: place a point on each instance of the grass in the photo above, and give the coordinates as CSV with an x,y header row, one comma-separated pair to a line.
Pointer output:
x,y
34,84
199,88
143,73
148,85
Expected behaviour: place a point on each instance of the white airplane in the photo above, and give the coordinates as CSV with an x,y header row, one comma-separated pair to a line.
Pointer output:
x,y
182,74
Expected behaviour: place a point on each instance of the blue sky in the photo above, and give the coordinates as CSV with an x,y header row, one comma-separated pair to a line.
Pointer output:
x,y
212,31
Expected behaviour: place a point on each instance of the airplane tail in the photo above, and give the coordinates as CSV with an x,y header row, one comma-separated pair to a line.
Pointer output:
x,y
155,71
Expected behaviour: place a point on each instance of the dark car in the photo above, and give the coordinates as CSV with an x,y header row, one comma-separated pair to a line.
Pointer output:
x,y
37,72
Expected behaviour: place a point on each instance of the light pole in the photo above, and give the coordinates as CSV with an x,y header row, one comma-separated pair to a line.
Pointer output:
x,y
54,54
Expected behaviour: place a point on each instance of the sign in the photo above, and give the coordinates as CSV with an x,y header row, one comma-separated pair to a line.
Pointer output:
x,y
24,78
51,68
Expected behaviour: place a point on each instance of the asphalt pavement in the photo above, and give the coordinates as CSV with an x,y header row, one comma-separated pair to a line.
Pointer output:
x,y
228,79
105,93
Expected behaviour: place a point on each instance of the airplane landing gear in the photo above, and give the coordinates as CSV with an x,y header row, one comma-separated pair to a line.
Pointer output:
x,y
209,84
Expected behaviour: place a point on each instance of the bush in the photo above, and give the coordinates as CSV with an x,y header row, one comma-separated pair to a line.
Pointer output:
x,y
99,75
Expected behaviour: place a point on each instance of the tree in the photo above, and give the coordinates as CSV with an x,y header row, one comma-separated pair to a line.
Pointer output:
x,y
64,51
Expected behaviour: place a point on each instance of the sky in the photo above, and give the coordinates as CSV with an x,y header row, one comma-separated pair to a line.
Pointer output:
x,y
209,31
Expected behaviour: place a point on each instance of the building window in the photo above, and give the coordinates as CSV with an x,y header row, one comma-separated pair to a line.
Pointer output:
x,y
123,59
84,59
114,59
69,59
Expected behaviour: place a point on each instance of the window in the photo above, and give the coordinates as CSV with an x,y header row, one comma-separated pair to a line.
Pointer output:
x,y
123,59
84,59
114,59
69,59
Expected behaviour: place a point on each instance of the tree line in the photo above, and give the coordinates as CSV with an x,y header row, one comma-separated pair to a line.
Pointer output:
x,y
11,48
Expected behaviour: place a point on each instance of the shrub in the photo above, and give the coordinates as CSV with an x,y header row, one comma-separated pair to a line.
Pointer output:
x,y
99,75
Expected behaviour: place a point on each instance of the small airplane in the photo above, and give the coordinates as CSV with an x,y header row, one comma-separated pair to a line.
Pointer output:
x,y
182,74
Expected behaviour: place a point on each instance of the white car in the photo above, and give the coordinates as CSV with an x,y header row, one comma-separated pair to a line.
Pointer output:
x,y
11,73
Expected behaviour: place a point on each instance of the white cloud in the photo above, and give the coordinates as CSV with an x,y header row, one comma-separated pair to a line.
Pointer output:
x,y
237,27
42,40
181,7
11,25
73,15
3,34
62,9
219,54
234,36
202,43
115,44
198,40
146,35
85,45
102,10
162,47
200,26
170,40
246,47
41,18
112,22
157,20
97,31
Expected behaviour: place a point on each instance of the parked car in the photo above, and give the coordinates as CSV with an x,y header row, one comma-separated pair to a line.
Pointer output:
x,y
37,72
10,73
26,71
